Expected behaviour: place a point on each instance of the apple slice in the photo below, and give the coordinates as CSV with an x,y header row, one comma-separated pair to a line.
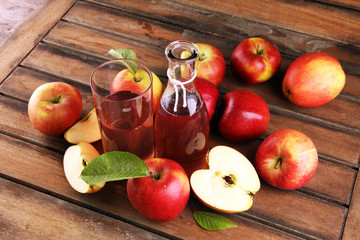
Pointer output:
x,y
76,157
229,184
85,130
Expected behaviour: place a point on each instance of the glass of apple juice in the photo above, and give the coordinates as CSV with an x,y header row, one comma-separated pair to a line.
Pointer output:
x,y
122,92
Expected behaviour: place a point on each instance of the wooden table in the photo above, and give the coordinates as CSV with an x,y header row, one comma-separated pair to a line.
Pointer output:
x,y
64,40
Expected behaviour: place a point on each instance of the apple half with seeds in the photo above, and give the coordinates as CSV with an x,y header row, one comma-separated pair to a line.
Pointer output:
x,y
230,183
76,157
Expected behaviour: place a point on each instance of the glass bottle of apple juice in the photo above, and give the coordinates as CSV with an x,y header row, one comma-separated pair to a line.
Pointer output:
x,y
181,120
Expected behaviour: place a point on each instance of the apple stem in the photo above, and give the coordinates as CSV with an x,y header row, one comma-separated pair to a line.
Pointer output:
x,y
278,163
154,175
136,79
202,57
57,100
259,50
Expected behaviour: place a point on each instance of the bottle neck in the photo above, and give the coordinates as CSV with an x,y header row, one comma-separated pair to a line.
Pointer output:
x,y
181,71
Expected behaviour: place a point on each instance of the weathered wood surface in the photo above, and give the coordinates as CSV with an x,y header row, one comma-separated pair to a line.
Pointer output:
x,y
325,208
29,33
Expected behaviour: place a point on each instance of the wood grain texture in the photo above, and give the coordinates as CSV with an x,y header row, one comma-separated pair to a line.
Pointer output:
x,y
307,17
25,213
353,220
14,13
29,33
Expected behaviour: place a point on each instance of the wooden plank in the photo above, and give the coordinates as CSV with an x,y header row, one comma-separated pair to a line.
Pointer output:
x,y
25,212
28,34
303,214
306,17
13,14
351,230
230,26
43,169
344,3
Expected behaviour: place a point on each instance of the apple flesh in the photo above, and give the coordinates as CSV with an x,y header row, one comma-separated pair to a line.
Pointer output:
x,y
230,183
125,80
255,60
244,116
286,159
313,80
86,129
162,195
54,107
76,157
209,93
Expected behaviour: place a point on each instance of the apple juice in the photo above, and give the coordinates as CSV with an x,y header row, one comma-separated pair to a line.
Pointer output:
x,y
182,135
130,128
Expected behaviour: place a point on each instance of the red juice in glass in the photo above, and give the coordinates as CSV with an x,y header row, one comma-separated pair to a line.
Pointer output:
x,y
122,92
128,130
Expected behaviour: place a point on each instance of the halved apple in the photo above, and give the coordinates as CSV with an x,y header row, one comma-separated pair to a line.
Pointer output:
x,y
76,157
85,130
229,184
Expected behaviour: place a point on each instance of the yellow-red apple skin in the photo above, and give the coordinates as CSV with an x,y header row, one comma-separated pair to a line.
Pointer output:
x,y
255,60
54,107
313,80
125,81
210,64
299,159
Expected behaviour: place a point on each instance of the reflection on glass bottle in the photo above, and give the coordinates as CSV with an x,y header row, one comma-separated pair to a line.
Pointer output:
x,y
181,121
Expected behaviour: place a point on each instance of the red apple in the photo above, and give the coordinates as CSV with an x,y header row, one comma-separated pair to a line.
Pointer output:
x,y
210,64
313,79
209,93
54,107
125,80
162,195
287,159
255,60
244,116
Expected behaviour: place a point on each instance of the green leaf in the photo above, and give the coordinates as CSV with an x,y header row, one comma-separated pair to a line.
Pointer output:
x,y
114,166
125,53
212,221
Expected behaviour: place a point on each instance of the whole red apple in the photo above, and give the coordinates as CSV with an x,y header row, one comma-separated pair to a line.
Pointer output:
x,y
162,195
286,159
255,60
313,79
54,107
244,116
209,93
210,64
